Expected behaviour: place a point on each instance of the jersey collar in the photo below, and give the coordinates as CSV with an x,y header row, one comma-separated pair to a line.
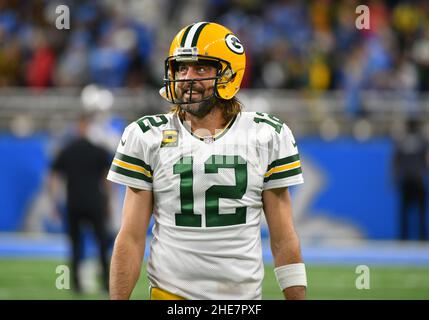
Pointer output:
x,y
209,139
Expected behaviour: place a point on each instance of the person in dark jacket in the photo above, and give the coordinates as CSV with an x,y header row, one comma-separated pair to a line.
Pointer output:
x,y
84,166
410,169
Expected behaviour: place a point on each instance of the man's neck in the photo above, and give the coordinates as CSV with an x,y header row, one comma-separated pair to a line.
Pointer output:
x,y
210,124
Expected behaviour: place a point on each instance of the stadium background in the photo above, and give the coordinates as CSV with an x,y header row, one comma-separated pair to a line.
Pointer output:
x,y
345,93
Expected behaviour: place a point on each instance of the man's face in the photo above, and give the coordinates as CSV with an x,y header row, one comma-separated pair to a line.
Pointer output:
x,y
201,89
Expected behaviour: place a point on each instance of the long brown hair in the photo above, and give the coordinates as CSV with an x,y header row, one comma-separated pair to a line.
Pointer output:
x,y
230,108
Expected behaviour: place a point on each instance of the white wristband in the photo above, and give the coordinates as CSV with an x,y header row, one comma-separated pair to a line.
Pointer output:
x,y
291,275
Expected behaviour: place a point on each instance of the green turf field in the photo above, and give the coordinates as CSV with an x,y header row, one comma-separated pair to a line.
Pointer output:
x,y
35,279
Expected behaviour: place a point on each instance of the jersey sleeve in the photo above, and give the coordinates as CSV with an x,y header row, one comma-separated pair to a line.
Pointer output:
x,y
284,164
131,165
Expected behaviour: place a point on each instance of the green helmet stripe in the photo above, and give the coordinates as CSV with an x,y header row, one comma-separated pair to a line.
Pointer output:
x,y
191,34
197,34
185,34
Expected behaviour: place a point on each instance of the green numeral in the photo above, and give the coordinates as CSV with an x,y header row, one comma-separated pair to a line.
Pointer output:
x,y
153,122
214,193
187,218
275,122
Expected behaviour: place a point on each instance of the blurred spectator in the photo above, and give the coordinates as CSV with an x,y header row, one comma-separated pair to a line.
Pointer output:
x,y
41,64
72,68
114,44
420,54
410,171
353,80
84,167
10,68
319,74
108,66
405,81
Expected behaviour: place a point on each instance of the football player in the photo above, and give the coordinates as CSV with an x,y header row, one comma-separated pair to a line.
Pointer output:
x,y
207,172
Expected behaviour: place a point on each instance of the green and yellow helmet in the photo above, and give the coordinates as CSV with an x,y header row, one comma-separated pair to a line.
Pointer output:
x,y
210,42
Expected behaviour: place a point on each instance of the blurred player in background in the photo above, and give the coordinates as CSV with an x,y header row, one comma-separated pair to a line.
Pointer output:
x,y
207,171
410,170
84,165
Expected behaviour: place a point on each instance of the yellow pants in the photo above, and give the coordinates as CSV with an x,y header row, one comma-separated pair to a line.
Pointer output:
x,y
159,294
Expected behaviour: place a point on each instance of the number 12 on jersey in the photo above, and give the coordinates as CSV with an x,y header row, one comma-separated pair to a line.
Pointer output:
x,y
187,217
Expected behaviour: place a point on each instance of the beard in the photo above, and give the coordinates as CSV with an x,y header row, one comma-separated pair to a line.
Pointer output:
x,y
201,108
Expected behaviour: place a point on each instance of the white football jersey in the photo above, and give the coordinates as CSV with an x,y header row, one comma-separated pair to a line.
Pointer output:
x,y
207,198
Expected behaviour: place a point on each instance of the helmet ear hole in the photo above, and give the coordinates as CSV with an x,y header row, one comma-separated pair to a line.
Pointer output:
x,y
227,76
228,73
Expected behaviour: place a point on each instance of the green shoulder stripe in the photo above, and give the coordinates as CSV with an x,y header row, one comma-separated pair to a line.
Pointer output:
x,y
130,174
283,174
133,160
283,161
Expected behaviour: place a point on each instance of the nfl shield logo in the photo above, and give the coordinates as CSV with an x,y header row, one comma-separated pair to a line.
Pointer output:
x,y
208,139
